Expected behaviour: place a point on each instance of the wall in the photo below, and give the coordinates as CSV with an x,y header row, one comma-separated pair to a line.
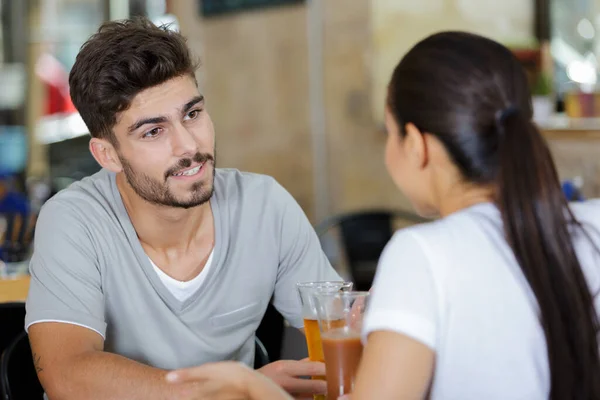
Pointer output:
x,y
357,173
254,75
398,25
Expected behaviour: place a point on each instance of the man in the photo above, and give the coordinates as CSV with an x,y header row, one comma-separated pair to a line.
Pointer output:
x,y
160,260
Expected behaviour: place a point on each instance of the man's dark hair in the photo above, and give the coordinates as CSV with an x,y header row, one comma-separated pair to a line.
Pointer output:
x,y
119,61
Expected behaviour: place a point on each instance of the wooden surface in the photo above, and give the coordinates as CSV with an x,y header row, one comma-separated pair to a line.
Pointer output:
x,y
254,75
14,290
572,134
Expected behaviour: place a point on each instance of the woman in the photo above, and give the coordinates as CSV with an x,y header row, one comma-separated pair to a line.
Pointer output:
x,y
497,298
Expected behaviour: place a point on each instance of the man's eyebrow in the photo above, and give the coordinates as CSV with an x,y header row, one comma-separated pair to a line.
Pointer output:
x,y
156,120
187,106
144,121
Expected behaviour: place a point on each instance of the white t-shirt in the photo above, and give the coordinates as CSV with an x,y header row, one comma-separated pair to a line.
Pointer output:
x,y
455,285
183,290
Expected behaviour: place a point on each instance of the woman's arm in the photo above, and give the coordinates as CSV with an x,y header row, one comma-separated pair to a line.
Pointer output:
x,y
394,366
401,323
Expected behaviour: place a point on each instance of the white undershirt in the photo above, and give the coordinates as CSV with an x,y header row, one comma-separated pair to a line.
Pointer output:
x,y
184,290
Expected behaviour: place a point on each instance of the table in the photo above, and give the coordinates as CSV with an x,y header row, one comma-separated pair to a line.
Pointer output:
x,y
14,290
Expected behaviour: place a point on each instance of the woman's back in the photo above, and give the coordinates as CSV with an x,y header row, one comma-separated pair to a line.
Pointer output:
x,y
456,286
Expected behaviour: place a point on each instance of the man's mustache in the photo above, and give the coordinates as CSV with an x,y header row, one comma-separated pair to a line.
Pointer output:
x,y
184,163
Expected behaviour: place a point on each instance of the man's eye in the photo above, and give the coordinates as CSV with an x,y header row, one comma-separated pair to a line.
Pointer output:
x,y
193,114
151,133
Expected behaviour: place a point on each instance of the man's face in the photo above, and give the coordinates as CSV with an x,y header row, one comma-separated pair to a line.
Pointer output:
x,y
166,145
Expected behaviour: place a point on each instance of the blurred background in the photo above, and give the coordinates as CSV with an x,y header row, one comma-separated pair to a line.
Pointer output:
x,y
295,88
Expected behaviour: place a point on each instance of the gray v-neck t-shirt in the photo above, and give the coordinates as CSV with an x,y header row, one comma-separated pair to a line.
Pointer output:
x,y
89,268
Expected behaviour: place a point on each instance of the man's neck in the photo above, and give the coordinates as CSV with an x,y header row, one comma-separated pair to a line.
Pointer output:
x,y
165,229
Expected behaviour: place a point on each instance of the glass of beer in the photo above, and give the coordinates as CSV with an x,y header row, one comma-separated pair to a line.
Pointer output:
x,y
340,322
309,311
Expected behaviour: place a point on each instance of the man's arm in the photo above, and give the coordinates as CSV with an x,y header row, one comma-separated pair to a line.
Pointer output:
x,y
71,364
229,380
301,258
66,285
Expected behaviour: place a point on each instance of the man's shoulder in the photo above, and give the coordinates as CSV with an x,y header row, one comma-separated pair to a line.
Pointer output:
x,y
254,191
93,185
229,176
231,182
83,198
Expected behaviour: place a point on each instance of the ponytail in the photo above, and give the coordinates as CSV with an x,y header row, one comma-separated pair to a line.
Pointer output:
x,y
539,226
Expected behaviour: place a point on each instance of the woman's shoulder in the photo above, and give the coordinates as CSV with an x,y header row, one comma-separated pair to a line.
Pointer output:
x,y
587,214
588,211
458,225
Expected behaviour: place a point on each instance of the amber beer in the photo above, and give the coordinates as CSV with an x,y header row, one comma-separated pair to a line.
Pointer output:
x,y
313,340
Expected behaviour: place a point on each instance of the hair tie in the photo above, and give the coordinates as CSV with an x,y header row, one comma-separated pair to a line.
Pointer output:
x,y
507,112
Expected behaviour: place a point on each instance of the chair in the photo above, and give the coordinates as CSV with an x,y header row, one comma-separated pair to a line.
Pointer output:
x,y
270,333
18,378
261,356
12,321
363,236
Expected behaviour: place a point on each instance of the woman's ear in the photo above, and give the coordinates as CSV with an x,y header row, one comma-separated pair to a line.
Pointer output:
x,y
415,146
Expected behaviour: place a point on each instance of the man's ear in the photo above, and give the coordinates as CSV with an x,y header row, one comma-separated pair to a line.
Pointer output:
x,y
105,154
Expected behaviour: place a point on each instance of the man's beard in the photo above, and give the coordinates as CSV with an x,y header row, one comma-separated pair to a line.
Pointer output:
x,y
156,192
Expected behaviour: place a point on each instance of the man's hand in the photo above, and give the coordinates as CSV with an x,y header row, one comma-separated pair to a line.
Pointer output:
x,y
287,373
223,381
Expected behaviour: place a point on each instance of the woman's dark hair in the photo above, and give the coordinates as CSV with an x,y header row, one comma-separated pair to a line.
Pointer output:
x,y
119,61
472,94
